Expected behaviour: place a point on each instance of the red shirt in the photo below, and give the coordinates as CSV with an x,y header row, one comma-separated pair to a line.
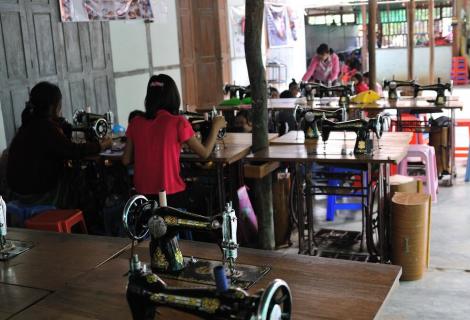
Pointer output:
x,y
157,148
361,87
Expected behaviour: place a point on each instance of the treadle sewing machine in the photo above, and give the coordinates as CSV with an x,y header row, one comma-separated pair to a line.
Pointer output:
x,y
440,89
235,91
202,124
312,89
146,291
142,217
309,120
393,85
362,128
94,126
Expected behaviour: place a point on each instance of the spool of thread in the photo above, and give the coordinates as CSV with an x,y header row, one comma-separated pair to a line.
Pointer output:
x,y
221,282
162,198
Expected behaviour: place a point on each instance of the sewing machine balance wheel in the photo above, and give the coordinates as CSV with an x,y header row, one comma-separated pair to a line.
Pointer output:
x,y
100,127
275,302
131,216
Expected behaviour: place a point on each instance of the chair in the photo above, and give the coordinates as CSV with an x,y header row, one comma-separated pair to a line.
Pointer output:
x,y
427,155
58,220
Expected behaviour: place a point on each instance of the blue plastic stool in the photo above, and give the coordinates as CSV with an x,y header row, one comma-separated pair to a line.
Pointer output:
x,y
467,171
18,213
332,205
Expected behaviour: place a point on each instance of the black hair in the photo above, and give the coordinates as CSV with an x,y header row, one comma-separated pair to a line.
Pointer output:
x,y
293,84
272,90
43,97
135,113
358,77
355,63
244,113
162,94
365,75
323,48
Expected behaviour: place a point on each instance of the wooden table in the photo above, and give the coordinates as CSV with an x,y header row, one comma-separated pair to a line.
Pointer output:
x,y
14,299
56,258
394,147
321,288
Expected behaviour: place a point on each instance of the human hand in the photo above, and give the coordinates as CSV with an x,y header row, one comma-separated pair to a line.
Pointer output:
x,y
219,122
106,143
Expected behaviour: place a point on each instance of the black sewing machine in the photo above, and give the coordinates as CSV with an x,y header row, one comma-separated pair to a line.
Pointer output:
x,y
309,120
94,126
146,292
236,91
440,89
202,124
392,86
362,128
344,92
311,89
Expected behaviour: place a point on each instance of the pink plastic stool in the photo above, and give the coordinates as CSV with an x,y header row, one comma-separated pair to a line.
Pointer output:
x,y
428,156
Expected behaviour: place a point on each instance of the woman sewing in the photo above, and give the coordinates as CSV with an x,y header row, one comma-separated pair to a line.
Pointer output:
x,y
37,152
154,142
324,67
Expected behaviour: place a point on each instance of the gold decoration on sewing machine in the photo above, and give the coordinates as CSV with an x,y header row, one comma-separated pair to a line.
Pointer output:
x,y
361,145
171,220
159,259
193,223
179,256
210,305
151,278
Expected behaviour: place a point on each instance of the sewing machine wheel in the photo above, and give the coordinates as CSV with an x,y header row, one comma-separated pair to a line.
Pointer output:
x,y
372,223
100,128
221,133
131,217
77,116
275,302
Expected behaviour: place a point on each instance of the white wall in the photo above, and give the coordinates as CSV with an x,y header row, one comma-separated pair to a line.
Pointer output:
x,y
395,62
130,52
3,138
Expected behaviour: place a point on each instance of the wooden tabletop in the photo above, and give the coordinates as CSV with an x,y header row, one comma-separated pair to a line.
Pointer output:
x,y
393,148
56,258
321,288
14,299
235,147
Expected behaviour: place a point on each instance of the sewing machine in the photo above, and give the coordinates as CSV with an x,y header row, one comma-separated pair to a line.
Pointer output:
x,y
392,86
310,89
146,292
440,89
344,92
309,120
362,128
94,126
235,91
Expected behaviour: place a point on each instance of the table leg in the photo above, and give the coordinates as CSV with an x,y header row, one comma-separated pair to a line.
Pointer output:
x,y
300,206
452,147
221,186
309,205
381,213
388,216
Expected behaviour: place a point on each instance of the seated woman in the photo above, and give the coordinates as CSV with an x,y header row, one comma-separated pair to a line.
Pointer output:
x,y
154,142
38,150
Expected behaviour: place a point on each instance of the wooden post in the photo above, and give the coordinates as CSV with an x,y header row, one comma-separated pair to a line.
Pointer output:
x,y
411,38
456,25
431,40
263,201
364,50
372,37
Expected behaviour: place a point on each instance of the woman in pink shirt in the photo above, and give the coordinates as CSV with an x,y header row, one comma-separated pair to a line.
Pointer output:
x,y
324,67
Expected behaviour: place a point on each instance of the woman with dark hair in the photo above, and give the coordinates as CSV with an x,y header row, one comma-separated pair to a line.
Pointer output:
x,y
154,142
324,67
38,150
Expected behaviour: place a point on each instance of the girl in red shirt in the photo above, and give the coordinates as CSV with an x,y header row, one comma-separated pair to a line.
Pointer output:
x,y
359,84
154,141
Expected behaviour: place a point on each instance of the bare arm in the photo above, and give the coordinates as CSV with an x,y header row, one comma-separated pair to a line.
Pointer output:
x,y
205,150
128,156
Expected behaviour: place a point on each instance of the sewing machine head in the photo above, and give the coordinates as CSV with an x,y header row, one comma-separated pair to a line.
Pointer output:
x,y
344,92
309,120
440,89
362,128
142,217
94,126
146,292
236,91
3,226
202,124
393,84
310,89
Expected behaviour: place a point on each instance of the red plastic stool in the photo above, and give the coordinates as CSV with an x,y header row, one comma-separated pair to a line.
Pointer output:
x,y
461,152
58,220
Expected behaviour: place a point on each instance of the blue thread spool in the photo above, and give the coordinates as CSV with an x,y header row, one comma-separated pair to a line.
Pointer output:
x,y
221,282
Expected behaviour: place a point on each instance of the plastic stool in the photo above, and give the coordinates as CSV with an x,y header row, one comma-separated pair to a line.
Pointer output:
x,y
467,171
428,157
332,205
58,220
18,212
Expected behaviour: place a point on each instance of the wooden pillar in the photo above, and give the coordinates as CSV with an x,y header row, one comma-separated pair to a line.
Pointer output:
x,y
431,40
411,40
456,27
364,50
372,37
